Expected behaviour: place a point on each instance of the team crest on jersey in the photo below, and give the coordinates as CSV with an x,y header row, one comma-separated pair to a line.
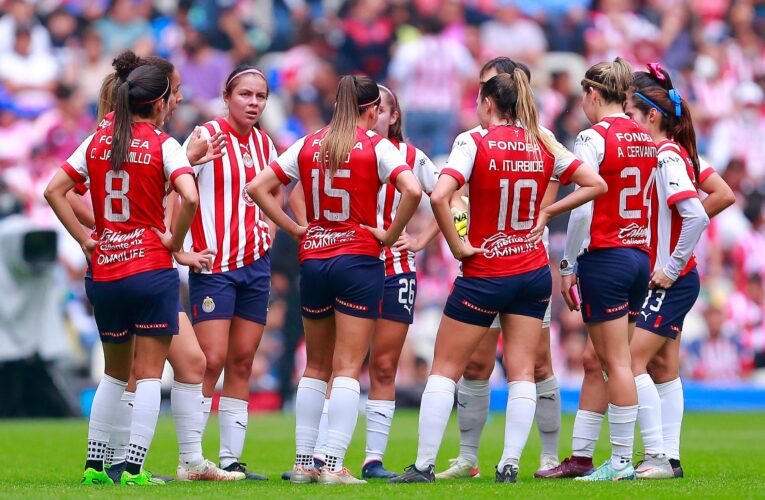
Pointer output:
x,y
504,245
247,160
208,304
246,197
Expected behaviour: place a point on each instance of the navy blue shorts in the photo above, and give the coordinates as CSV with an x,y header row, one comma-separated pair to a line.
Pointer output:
x,y
664,310
242,292
89,291
351,284
143,304
613,282
398,298
476,301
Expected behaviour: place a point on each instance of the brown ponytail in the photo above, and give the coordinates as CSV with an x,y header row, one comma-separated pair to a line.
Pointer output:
x,y
137,95
354,95
106,96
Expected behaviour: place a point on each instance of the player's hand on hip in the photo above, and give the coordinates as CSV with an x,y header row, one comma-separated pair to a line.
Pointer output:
x,y
660,280
535,235
166,238
407,242
196,261
88,247
380,235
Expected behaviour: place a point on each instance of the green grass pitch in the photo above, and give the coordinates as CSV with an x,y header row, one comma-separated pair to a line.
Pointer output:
x,y
723,456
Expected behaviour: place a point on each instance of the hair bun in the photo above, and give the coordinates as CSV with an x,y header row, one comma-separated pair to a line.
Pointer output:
x,y
125,63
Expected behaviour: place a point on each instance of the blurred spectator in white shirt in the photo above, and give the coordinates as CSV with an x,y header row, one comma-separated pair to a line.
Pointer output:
x,y
509,34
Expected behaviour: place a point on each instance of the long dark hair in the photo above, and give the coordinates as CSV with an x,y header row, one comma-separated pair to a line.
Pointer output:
x,y
650,91
135,96
237,73
395,131
354,96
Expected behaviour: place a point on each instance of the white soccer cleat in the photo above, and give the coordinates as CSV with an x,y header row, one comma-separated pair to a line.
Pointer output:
x,y
655,467
459,468
301,475
547,462
206,471
343,476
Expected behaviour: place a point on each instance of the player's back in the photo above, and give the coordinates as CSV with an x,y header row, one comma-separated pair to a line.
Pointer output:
x,y
620,216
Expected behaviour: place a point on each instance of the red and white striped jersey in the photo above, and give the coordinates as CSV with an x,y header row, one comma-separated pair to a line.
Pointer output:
x,y
336,205
228,220
397,262
675,180
507,179
128,203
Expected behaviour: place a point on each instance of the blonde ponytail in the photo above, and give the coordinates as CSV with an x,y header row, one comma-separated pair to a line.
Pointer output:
x,y
341,133
526,112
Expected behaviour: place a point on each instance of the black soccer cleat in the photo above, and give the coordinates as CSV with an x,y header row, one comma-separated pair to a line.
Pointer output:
x,y
240,467
413,475
508,474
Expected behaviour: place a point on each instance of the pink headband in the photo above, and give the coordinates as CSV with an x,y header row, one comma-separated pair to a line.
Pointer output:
x,y
392,95
244,72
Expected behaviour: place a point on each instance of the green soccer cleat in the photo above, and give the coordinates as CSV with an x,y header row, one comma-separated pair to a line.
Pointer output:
x,y
143,478
93,476
607,473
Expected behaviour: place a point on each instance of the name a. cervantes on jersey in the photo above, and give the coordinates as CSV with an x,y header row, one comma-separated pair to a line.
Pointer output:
x,y
503,245
634,234
318,237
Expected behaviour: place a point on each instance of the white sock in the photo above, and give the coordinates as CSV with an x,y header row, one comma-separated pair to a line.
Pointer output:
x,y
321,440
621,420
309,401
343,415
120,435
232,414
672,402
206,409
649,415
587,426
519,417
379,419
472,411
148,395
548,415
435,408
102,416
186,406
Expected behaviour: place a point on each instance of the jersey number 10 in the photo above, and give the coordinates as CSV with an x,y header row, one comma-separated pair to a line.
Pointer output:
x,y
504,195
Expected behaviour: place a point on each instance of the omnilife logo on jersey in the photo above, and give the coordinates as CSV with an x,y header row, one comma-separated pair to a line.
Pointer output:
x,y
503,245
634,234
318,237
120,247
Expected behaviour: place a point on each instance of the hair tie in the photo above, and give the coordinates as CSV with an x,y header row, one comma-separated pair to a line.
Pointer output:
x,y
655,69
677,100
651,103
253,71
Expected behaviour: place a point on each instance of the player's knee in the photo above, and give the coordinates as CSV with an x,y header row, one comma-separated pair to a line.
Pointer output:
x,y
214,362
478,371
239,366
383,372
543,368
591,363
193,368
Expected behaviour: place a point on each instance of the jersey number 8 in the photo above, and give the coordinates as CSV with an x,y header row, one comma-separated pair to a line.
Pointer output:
x,y
117,195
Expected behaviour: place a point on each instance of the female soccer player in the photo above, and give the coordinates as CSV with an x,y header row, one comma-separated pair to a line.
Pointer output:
x,y
185,356
608,238
507,164
342,168
135,288
678,218
229,301
400,290
473,392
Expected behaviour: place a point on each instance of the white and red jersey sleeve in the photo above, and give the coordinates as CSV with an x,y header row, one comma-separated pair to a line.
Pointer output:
x,y
705,170
228,220
397,262
338,203
675,181
507,179
76,166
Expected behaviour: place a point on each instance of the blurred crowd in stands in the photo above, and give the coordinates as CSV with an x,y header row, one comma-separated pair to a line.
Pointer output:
x,y
55,53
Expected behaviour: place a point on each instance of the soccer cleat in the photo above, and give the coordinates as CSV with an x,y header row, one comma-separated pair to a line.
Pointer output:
x,y
606,472
301,475
654,467
143,478
318,462
413,475
240,467
677,469
459,468
286,476
508,474
570,467
158,477
343,476
547,462
374,470
93,476
206,471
